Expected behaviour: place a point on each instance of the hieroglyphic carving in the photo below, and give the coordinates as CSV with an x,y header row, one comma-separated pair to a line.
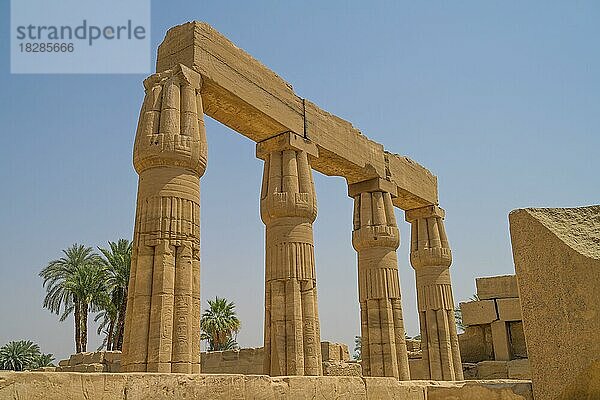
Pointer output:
x,y
376,237
170,157
430,256
288,209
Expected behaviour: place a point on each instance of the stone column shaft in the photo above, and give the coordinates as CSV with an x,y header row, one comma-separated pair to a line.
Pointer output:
x,y
376,237
430,256
162,327
288,208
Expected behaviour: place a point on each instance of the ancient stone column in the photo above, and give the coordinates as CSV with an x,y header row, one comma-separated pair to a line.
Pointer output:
x,y
288,208
162,323
376,237
430,256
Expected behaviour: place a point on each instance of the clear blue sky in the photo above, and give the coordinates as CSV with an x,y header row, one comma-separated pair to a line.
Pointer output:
x,y
501,100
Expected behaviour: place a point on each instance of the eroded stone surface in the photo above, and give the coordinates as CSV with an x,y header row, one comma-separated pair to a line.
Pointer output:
x,y
557,260
430,256
153,386
162,323
375,238
288,208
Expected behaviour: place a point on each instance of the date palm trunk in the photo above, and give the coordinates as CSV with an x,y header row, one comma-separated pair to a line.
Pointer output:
x,y
77,311
121,322
84,317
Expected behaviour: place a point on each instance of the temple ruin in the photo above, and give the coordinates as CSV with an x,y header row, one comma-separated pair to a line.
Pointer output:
x,y
200,72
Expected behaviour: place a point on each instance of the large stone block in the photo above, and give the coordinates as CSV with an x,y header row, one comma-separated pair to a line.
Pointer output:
x,y
509,309
391,388
341,368
476,344
517,339
492,370
156,386
519,369
334,351
418,369
497,287
474,390
557,260
501,341
478,312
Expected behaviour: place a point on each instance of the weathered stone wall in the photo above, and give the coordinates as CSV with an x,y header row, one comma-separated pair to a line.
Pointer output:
x,y
494,328
153,386
336,361
100,361
244,361
493,343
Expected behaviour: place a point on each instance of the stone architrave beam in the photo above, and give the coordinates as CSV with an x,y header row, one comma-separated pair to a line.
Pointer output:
x,y
248,97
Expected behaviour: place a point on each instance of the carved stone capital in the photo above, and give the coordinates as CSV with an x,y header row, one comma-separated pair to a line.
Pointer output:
x,y
429,242
374,221
288,188
170,130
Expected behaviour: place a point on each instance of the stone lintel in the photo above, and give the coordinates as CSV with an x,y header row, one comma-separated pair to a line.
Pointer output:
x,y
286,141
424,212
372,185
243,94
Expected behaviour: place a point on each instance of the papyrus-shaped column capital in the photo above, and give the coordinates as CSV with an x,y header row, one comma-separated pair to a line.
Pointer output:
x,y
429,245
374,220
288,189
171,128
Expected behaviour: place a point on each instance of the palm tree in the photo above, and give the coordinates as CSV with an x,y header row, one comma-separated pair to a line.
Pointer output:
x,y
59,298
88,285
220,325
44,360
117,262
19,355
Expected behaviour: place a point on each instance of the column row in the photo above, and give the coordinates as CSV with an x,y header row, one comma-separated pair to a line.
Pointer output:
x,y
162,326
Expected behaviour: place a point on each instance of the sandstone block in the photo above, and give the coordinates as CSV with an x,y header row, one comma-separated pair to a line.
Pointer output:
x,y
44,369
469,370
509,309
413,345
418,369
112,356
63,363
492,370
93,358
114,367
557,260
334,351
497,287
478,312
77,358
519,369
325,387
153,386
501,342
95,367
391,388
341,368
517,339
474,390
80,368
476,344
